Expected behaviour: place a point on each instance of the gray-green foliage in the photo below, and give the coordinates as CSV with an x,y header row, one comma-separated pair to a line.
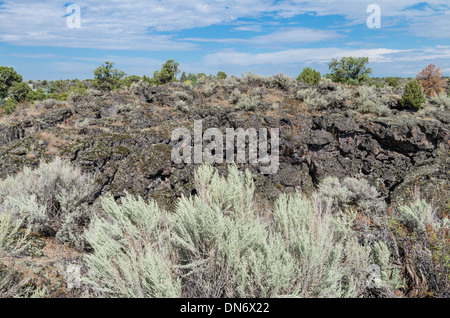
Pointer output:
x,y
369,102
49,199
304,94
417,215
13,241
441,101
390,278
350,192
131,257
217,244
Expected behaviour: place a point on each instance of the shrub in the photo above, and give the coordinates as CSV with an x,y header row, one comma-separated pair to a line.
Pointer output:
x,y
390,278
424,239
235,96
392,81
50,199
131,256
245,103
339,97
304,94
183,96
168,73
129,80
10,106
413,97
368,101
417,216
442,101
7,78
310,76
209,88
231,83
221,75
351,192
431,80
108,78
39,94
217,244
19,92
350,70
316,103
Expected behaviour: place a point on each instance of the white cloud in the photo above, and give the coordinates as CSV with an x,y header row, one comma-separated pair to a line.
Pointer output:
x,y
127,24
281,36
320,55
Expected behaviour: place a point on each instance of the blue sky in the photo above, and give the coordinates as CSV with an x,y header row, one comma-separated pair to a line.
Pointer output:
x,y
235,36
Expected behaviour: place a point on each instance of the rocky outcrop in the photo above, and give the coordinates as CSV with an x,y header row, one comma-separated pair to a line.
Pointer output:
x,y
126,142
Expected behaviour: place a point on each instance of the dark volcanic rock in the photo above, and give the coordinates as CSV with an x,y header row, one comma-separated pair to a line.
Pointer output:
x,y
126,144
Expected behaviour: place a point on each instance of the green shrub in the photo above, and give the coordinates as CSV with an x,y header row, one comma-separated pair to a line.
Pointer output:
x,y
129,80
413,97
19,92
10,106
221,75
39,94
310,76
392,81
168,73
108,78
350,70
7,78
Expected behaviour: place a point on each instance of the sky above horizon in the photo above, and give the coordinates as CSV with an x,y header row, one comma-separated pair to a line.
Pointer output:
x,y
235,36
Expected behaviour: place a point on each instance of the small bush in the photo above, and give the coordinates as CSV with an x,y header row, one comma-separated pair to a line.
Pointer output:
x,y
424,239
310,76
392,81
50,199
304,94
351,192
131,256
413,97
316,103
235,96
369,102
350,70
431,80
442,101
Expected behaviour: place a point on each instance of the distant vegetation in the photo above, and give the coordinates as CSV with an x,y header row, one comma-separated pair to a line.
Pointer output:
x,y
349,71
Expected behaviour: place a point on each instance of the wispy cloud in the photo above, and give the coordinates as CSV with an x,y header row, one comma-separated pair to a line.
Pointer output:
x,y
281,36
320,55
